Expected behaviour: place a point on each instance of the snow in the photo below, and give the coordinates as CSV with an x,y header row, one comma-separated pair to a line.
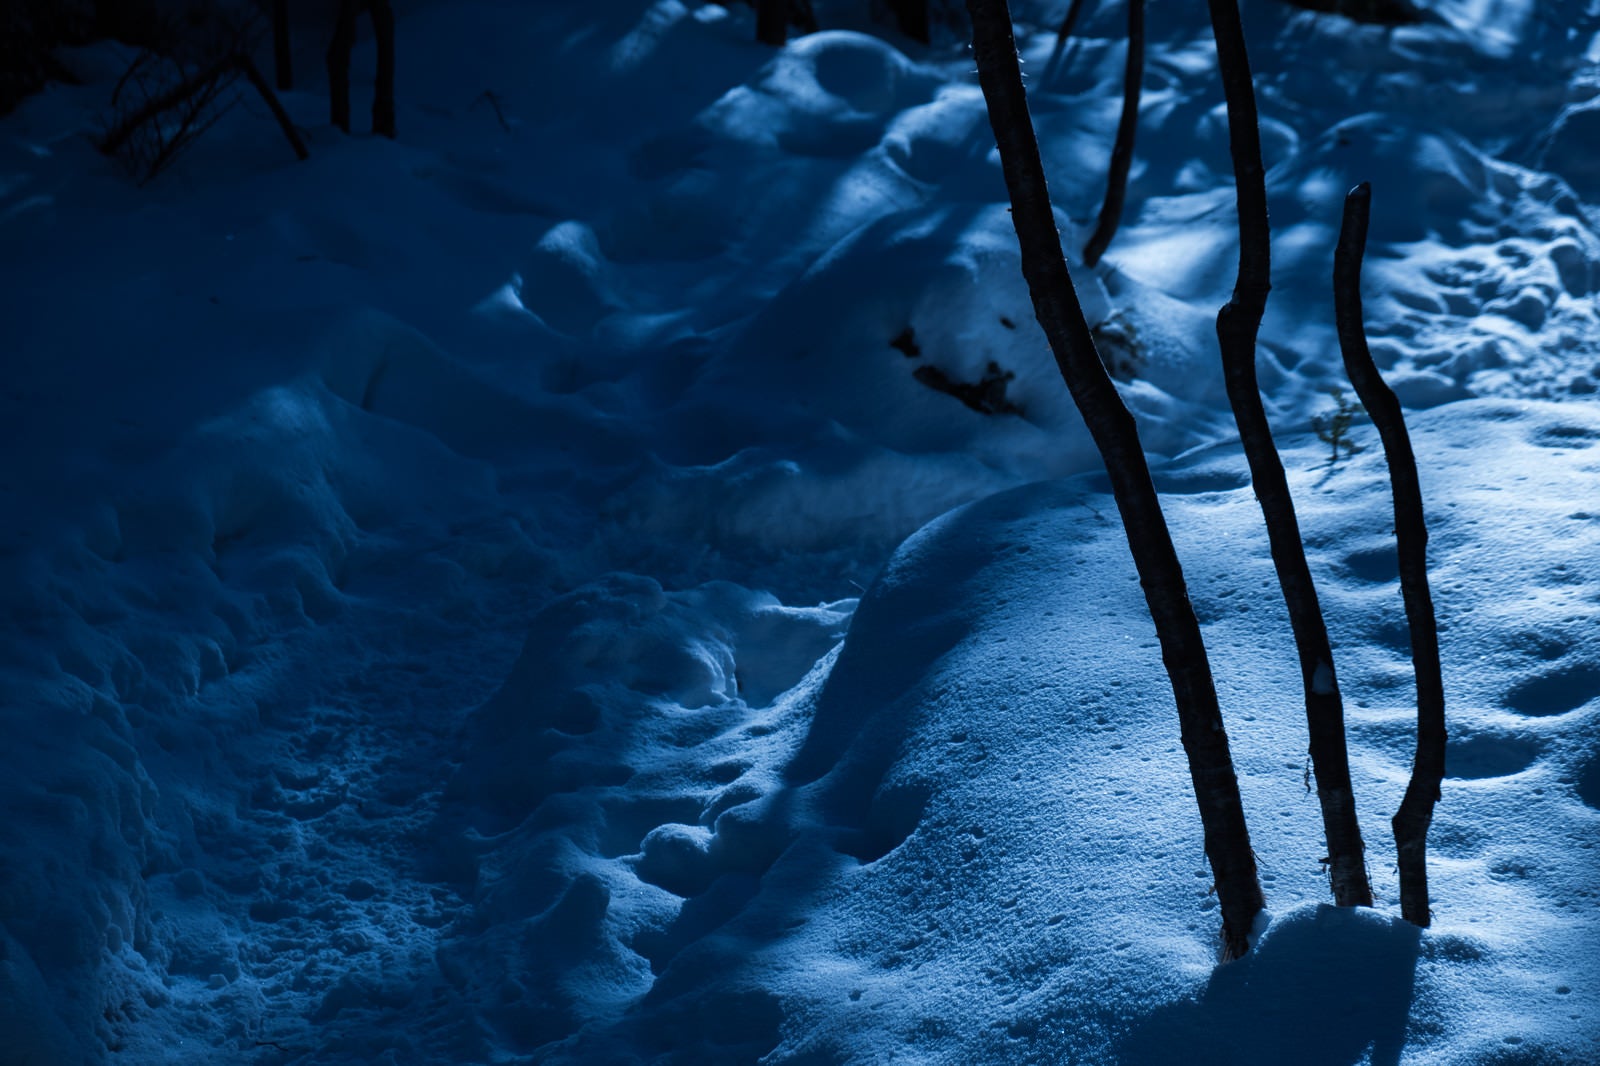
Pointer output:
x,y
526,592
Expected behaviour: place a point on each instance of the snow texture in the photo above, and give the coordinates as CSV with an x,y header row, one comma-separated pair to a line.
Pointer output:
x,y
614,575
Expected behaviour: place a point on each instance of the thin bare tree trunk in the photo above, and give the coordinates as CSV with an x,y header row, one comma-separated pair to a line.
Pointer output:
x,y
282,60
344,39
1069,21
1122,150
1237,326
1055,302
1411,540
383,86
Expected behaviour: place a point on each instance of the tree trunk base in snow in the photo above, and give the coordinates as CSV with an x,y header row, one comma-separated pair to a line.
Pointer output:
x,y
1055,303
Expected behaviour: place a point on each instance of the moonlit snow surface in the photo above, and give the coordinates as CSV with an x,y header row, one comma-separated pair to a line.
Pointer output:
x,y
528,592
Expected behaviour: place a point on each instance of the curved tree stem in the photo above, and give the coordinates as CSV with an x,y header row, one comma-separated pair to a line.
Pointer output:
x,y
1122,150
1055,303
1237,326
1411,540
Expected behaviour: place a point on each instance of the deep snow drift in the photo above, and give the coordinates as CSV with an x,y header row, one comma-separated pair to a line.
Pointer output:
x,y
452,595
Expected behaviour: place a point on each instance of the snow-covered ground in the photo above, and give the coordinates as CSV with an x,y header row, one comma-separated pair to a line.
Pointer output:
x,y
525,592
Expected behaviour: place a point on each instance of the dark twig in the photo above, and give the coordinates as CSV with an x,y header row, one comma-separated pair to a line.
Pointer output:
x,y
180,93
494,103
1122,150
128,76
193,98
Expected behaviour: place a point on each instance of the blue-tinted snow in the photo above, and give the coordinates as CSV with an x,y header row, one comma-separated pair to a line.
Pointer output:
x,y
500,596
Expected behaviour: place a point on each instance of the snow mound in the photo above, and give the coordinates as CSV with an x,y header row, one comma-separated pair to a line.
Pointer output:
x,y
981,845
624,767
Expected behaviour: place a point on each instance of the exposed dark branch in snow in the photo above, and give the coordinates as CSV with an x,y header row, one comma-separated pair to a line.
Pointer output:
x,y
202,82
155,132
1411,540
1122,150
1055,302
1237,326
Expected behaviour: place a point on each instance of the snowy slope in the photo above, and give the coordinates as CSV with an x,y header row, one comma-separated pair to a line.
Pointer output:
x,y
426,566
988,846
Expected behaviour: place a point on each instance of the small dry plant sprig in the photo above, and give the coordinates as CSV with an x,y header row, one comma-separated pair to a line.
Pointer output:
x,y
1333,427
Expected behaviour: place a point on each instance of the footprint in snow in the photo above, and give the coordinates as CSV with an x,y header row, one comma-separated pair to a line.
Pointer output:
x,y
1555,692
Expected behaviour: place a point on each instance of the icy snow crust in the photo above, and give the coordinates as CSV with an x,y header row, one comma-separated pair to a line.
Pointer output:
x,y
452,601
